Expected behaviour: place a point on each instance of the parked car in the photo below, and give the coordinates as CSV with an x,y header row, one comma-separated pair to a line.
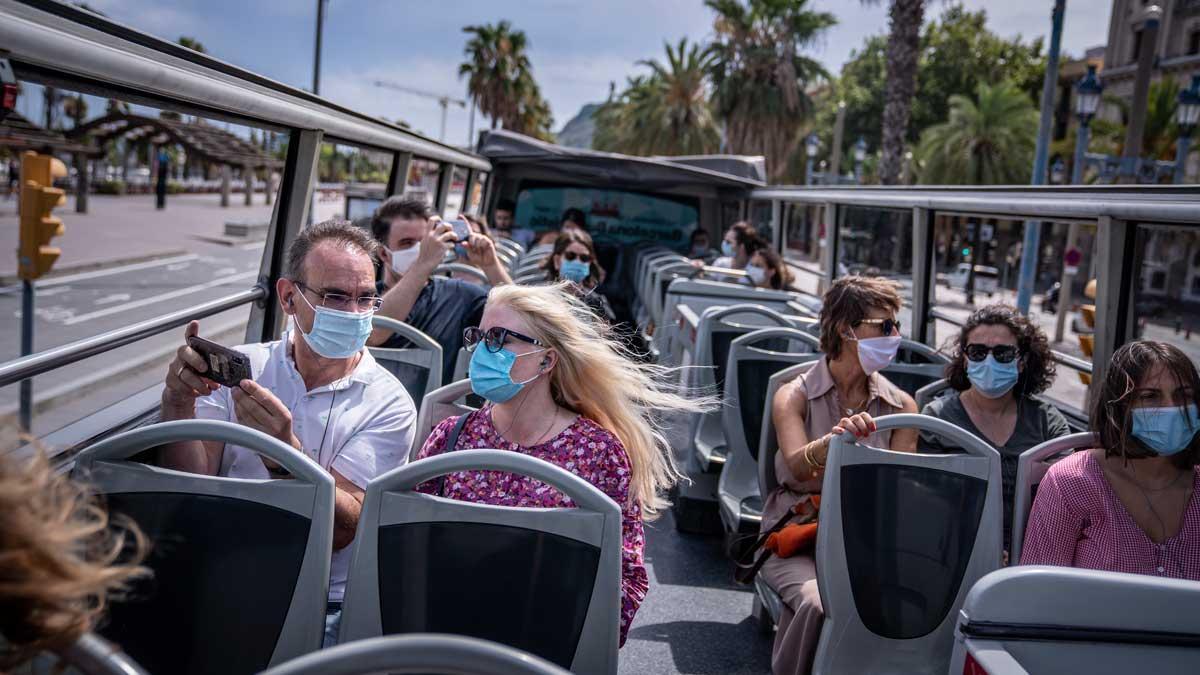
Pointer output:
x,y
987,279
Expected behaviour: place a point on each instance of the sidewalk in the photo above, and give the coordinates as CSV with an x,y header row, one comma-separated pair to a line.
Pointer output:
x,y
127,229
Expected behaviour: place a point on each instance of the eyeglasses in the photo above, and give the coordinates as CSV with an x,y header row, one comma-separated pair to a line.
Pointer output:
x,y
494,338
343,302
888,326
581,257
1003,353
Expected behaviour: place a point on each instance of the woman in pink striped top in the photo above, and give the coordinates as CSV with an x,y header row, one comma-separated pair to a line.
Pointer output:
x,y
1130,505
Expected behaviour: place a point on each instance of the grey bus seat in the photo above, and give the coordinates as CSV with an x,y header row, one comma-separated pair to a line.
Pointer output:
x,y
661,278
926,394
1040,619
700,294
477,275
420,653
240,564
916,366
448,401
417,366
88,655
546,581
462,364
533,277
1032,466
902,538
753,361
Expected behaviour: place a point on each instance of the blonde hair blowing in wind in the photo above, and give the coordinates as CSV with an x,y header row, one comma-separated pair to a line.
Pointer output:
x,y
597,377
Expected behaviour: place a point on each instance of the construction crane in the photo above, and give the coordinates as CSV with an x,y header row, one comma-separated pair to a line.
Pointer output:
x,y
443,100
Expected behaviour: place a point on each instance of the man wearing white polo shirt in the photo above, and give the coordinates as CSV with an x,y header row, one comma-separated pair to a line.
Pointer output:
x,y
318,389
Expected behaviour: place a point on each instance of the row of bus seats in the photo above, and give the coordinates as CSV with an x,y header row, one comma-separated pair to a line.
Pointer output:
x,y
420,653
241,567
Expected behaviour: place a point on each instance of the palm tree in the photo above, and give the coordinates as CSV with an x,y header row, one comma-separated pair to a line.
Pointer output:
x,y
903,50
193,44
759,76
497,69
988,141
687,118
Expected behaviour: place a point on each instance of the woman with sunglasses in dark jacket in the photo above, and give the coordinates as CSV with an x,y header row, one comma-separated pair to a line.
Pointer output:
x,y
1001,360
574,260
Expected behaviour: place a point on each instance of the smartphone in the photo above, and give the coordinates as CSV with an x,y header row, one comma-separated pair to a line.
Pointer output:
x,y
225,366
462,231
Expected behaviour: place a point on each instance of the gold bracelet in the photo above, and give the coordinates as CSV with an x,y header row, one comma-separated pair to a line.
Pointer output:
x,y
822,464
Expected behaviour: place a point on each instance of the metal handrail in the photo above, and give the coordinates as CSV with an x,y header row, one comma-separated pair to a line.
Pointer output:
x,y
42,362
936,313
1072,362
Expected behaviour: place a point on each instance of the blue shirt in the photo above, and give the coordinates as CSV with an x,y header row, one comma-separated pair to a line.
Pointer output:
x,y
443,309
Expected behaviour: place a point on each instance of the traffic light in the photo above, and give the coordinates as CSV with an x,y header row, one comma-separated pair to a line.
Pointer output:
x,y
35,256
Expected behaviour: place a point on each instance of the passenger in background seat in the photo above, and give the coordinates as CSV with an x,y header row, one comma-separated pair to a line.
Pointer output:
x,y
699,248
318,389
842,392
560,388
1132,504
739,243
1001,361
414,244
766,269
574,260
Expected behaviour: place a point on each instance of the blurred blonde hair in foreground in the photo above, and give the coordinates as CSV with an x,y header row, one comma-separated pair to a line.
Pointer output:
x,y
61,557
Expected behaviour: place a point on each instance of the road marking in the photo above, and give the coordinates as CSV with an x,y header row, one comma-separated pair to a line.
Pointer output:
x,y
175,267
225,270
58,281
53,291
115,297
157,298
252,245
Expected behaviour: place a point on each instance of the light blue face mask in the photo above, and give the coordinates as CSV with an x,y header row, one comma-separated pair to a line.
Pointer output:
x,y
727,249
1166,431
491,374
574,270
336,334
992,378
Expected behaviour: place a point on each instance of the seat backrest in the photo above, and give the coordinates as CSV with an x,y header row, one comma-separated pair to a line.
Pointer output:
x,y
476,275
715,332
930,391
1032,466
663,275
752,362
768,442
419,653
89,655
645,278
417,366
1039,619
546,581
243,564
701,295
916,366
902,538
443,402
531,278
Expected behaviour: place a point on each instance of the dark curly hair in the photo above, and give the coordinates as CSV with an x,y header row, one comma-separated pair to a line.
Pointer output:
x,y
1038,371
1111,417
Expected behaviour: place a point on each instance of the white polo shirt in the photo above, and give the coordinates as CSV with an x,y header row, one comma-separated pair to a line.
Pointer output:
x,y
360,426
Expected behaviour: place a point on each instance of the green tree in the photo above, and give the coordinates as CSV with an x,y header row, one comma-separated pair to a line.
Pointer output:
x,y
664,113
192,44
500,79
986,141
957,53
75,107
901,79
760,76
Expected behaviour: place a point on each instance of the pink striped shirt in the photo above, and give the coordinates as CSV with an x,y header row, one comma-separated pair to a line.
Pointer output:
x,y
1078,521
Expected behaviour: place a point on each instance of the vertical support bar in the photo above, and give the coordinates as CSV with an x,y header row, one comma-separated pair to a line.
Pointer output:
x,y
1116,252
472,176
248,177
922,274
445,178
291,213
25,419
1080,162
830,252
83,182
226,182
401,166
776,223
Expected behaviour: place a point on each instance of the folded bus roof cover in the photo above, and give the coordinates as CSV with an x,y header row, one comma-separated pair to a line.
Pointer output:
x,y
503,147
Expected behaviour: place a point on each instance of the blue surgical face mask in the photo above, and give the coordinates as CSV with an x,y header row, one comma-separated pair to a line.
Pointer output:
x,y
727,249
336,334
574,270
992,378
1166,431
491,374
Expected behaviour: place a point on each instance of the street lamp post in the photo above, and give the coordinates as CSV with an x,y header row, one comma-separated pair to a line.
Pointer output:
x,y
811,146
1058,171
860,153
1186,117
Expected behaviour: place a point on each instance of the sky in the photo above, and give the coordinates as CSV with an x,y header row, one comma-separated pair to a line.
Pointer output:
x,y
577,47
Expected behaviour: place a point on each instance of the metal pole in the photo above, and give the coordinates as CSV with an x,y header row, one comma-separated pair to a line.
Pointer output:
x,y
25,418
808,174
1135,132
1033,229
317,49
442,132
1081,143
839,128
471,125
1181,154
1064,284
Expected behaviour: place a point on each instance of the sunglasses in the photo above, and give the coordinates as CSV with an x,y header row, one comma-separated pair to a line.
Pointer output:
x,y
888,326
494,339
581,257
1002,353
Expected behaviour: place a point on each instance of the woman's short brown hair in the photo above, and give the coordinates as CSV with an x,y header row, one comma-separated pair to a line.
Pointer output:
x,y
1112,411
846,304
1037,373
60,558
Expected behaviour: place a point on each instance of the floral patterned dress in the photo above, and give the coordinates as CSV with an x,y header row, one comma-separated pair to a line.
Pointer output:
x,y
585,449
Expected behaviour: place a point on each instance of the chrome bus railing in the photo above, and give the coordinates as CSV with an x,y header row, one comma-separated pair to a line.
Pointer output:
x,y
51,359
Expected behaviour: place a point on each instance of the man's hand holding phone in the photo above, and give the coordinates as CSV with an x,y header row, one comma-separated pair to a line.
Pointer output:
x,y
186,379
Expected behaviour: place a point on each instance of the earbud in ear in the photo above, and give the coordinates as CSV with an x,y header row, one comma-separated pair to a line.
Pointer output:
x,y
545,361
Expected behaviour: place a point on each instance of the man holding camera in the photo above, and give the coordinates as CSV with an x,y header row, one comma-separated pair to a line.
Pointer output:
x,y
318,389
414,243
